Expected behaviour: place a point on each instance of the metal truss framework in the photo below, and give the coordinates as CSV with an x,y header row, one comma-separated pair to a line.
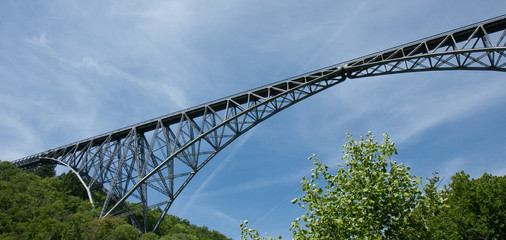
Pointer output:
x,y
147,165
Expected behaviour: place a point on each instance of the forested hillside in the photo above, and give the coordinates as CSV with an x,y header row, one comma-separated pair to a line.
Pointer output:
x,y
38,205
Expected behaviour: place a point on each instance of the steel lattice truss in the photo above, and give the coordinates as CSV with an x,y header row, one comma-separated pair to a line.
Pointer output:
x,y
147,165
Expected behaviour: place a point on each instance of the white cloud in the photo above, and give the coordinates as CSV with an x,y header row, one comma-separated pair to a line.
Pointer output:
x,y
232,221
22,137
450,167
338,32
426,113
407,109
39,41
256,184
91,64
167,90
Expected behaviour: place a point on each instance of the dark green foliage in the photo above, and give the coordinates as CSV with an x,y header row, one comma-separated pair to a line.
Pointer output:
x,y
465,209
71,185
474,209
149,236
124,231
478,206
173,227
44,170
34,205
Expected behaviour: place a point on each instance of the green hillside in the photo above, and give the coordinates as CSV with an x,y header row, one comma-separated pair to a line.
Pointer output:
x,y
38,205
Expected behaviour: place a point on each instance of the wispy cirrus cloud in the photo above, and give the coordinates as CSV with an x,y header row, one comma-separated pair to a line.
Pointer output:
x,y
407,110
445,107
232,221
39,41
91,64
22,136
255,184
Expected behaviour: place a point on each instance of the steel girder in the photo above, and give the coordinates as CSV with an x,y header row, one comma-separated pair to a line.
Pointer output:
x,y
148,164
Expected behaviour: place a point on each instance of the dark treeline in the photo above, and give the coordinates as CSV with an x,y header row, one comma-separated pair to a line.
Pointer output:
x,y
36,204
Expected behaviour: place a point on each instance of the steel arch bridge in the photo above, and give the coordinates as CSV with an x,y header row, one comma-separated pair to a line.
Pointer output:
x,y
148,164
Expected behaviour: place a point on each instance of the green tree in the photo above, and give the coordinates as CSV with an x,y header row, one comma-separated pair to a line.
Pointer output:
x,y
149,236
44,170
247,233
465,209
180,236
476,208
71,185
124,232
370,198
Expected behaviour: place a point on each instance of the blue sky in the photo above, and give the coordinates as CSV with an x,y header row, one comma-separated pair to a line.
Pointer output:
x,y
70,70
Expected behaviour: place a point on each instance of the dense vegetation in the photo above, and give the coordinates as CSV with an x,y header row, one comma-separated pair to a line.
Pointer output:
x,y
374,197
371,197
38,205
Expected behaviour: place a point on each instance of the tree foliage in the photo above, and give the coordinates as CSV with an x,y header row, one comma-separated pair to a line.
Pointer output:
x,y
247,233
370,197
44,170
374,197
37,205
473,209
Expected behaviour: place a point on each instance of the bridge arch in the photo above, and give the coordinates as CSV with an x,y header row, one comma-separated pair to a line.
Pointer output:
x,y
162,155
79,177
